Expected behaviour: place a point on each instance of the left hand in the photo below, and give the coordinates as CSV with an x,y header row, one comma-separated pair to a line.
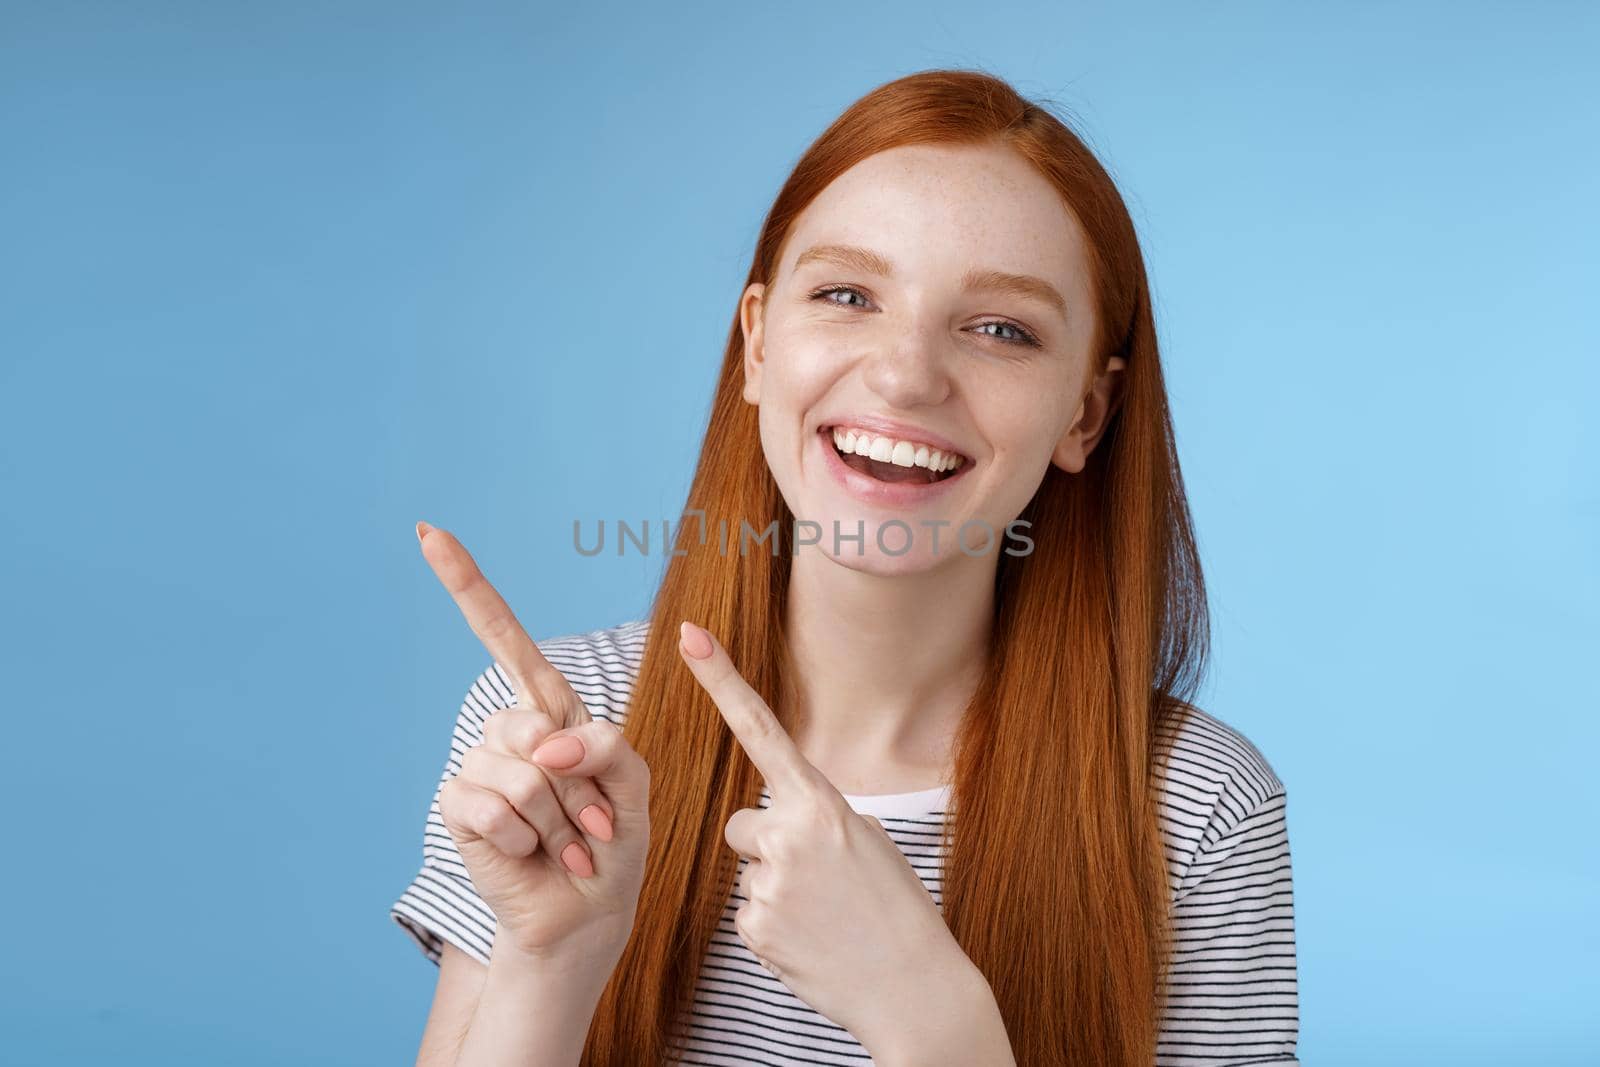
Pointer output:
x,y
834,909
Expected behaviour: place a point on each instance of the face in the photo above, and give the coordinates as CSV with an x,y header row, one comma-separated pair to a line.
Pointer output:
x,y
922,357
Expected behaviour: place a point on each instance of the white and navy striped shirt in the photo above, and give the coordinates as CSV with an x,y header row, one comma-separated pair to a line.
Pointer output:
x,y
1233,998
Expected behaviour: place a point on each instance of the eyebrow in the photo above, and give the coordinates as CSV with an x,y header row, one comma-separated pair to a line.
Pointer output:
x,y
853,257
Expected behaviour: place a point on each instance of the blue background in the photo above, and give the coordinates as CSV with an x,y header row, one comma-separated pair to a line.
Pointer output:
x,y
277,280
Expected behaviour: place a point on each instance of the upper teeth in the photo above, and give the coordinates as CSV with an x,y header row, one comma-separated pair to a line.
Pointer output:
x,y
892,450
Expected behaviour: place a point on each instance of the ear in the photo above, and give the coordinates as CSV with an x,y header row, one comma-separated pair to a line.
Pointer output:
x,y
1094,415
752,317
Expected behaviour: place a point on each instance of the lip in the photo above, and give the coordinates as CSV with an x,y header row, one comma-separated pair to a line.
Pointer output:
x,y
870,491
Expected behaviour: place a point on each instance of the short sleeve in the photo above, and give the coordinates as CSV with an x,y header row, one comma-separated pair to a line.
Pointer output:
x,y
1233,993
441,903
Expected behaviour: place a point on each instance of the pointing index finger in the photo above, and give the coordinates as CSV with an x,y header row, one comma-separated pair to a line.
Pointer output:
x,y
756,728
537,681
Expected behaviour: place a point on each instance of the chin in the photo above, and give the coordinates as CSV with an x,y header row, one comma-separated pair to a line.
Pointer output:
x,y
894,555
871,561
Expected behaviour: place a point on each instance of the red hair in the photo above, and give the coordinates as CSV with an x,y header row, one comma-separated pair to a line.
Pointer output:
x,y
1055,880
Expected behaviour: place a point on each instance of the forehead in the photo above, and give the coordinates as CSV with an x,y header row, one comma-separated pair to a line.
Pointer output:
x,y
943,207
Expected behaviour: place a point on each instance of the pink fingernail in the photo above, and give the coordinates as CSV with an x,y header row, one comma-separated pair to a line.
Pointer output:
x,y
422,528
577,860
559,752
696,641
594,819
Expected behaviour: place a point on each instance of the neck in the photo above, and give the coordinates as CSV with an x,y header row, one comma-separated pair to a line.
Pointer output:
x,y
884,667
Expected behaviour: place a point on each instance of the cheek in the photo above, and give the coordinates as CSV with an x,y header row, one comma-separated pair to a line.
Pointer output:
x,y
799,350
799,373
1023,427
1022,421
1036,434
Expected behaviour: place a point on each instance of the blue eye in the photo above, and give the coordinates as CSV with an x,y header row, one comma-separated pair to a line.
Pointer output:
x,y
822,294
1023,336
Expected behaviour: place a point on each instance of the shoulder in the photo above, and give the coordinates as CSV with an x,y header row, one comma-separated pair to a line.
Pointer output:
x,y
600,665
1211,781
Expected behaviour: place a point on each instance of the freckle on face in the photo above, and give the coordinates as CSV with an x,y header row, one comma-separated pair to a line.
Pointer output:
x,y
934,212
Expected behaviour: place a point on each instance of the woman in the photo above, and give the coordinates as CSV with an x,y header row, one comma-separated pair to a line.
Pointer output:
x,y
906,770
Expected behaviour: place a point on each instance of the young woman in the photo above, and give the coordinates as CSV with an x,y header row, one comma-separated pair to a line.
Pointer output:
x,y
906,773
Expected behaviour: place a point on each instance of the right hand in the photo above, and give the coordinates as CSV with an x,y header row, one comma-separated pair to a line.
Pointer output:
x,y
512,817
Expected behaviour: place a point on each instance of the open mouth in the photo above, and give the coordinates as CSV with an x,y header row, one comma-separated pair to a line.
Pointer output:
x,y
892,459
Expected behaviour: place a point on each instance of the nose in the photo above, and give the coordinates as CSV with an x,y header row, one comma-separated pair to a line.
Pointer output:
x,y
909,371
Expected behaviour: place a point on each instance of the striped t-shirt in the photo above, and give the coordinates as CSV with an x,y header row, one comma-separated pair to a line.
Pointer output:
x,y
1233,996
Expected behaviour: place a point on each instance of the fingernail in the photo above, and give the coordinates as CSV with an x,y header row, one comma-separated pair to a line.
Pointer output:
x,y
696,641
422,528
577,860
593,819
559,752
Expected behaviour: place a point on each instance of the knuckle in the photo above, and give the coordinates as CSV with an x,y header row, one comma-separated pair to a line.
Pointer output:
x,y
827,816
753,926
766,728
472,761
517,730
496,626
528,730
518,843
775,845
526,788
549,690
837,827
573,708
449,801
533,728
499,726
494,815
808,807
513,733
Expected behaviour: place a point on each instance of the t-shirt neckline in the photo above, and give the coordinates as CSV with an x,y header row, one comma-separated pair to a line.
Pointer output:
x,y
916,804
919,803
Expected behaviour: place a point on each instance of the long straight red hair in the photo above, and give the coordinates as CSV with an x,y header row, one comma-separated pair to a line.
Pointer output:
x,y
1055,881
